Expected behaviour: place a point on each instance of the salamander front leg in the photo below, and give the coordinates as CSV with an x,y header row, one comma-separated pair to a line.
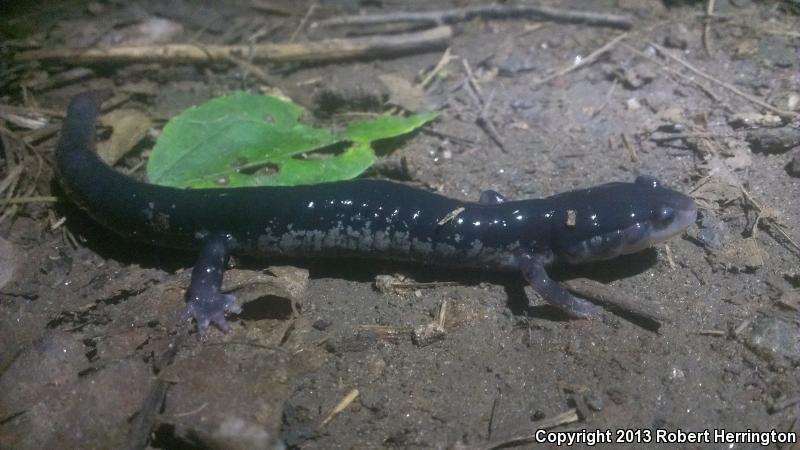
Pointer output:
x,y
532,267
204,301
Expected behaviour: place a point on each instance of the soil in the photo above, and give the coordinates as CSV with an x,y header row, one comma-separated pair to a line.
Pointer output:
x,y
357,354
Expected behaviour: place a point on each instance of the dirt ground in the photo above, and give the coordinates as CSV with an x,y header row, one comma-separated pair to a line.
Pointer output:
x,y
354,354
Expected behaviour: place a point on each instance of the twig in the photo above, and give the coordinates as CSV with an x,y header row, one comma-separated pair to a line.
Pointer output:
x,y
675,137
63,78
669,69
29,199
712,333
142,424
471,81
589,58
303,21
487,126
765,216
317,51
632,153
606,100
707,27
491,11
443,61
253,69
569,416
11,178
346,401
783,113
270,7
670,260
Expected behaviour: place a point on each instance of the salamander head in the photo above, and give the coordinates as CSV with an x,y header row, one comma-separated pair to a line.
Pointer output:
x,y
619,218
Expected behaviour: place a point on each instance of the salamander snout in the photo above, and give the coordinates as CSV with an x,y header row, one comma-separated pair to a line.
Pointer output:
x,y
670,217
635,217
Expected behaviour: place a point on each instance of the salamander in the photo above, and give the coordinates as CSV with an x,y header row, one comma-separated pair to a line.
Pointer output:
x,y
367,219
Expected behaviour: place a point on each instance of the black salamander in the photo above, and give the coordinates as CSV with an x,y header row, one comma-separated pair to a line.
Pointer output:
x,y
368,219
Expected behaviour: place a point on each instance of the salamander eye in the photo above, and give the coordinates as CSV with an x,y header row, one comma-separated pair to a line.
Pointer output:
x,y
647,180
664,215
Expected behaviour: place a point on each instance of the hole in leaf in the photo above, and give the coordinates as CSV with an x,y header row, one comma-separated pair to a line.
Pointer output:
x,y
266,168
327,152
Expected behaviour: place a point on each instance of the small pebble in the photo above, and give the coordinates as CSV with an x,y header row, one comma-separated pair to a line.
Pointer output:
x,y
321,324
594,402
793,168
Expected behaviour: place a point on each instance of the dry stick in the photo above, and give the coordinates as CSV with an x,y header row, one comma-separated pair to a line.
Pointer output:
x,y
443,61
303,21
142,424
606,100
491,11
589,58
11,178
707,27
569,416
678,74
325,50
270,7
343,403
783,113
764,216
486,124
29,199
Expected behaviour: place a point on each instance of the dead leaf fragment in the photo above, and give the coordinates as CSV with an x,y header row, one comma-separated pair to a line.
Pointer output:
x,y
152,31
130,127
402,93
739,256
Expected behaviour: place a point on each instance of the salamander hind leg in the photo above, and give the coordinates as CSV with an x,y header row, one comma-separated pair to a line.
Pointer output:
x,y
204,301
491,198
532,267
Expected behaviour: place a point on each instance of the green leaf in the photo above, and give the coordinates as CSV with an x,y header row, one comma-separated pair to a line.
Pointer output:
x,y
385,127
254,140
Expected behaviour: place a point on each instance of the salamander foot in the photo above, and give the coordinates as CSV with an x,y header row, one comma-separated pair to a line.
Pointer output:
x,y
204,301
532,267
206,311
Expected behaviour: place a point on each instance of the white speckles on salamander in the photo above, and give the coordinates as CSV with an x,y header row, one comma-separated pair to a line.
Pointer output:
x,y
365,218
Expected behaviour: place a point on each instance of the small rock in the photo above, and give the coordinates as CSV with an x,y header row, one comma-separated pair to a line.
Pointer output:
x,y
425,335
617,396
362,341
793,168
774,338
632,104
538,415
713,231
519,105
792,102
631,78
515,64
773,140
678,37
748,120
594,402
321,324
